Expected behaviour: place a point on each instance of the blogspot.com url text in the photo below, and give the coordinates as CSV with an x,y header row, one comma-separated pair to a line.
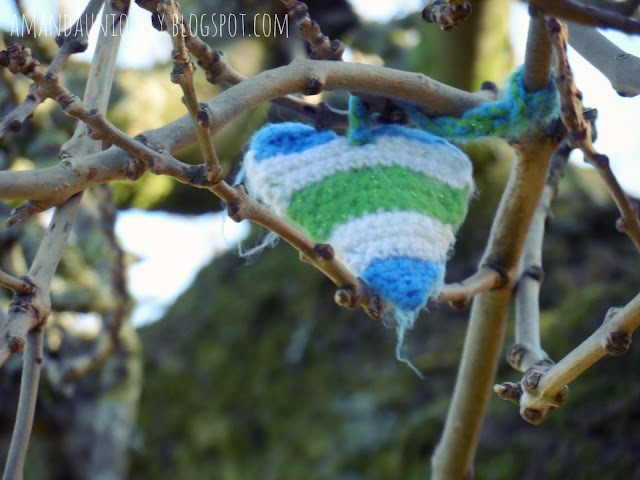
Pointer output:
x,y
220,25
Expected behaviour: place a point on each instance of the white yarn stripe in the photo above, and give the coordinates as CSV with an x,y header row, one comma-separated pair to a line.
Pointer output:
x,y
277,178
259,184
381,235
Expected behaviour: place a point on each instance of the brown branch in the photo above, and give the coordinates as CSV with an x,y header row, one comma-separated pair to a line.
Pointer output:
x,y
587,15
73,40
218,70
461,293
182,74
322,48
580,132
537,71
352,293
51,186
29,310
447,14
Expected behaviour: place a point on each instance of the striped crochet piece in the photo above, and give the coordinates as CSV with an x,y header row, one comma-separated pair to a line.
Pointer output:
x,y
388,199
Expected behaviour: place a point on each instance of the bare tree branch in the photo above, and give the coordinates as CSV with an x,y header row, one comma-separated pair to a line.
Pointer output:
x,y
545,390
27,317
454,454
51,186
73,40
182,74
321,46
29,312
580,132
32,365
527,350
587,15
461,293
18,285
621,68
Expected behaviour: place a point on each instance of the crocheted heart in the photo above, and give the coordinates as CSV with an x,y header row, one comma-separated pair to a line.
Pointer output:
x,y
388,199
389,208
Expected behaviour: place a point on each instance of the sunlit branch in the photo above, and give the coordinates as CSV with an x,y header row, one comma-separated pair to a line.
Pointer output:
x,y
73,40
621,68
454,454
580,132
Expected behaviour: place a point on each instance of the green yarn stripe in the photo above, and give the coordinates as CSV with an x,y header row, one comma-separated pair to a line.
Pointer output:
x,y
321,206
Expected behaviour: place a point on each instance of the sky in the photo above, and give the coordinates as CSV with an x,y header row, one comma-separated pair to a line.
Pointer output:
x,y
157,279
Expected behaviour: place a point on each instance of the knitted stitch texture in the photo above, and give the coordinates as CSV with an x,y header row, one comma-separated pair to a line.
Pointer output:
x,y
389,200
510,117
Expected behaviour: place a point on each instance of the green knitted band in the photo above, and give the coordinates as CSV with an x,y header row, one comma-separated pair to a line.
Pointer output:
x,y
350,195
509,118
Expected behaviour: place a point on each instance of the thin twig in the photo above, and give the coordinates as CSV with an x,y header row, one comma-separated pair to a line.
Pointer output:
x,y
218,70
96,96
461,293
73,40
322,48
580,132
182,74
352,291
587,15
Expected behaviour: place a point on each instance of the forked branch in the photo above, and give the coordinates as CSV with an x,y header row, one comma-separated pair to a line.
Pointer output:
x,y
543,390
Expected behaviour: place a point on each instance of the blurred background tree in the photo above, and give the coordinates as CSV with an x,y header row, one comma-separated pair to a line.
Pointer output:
x,y
254,372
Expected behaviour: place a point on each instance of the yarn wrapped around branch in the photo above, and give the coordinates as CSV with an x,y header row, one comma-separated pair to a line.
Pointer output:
x,y
511,117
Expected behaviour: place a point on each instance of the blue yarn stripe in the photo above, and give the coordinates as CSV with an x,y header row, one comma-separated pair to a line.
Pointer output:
x,y
287,137
359,122
407,282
